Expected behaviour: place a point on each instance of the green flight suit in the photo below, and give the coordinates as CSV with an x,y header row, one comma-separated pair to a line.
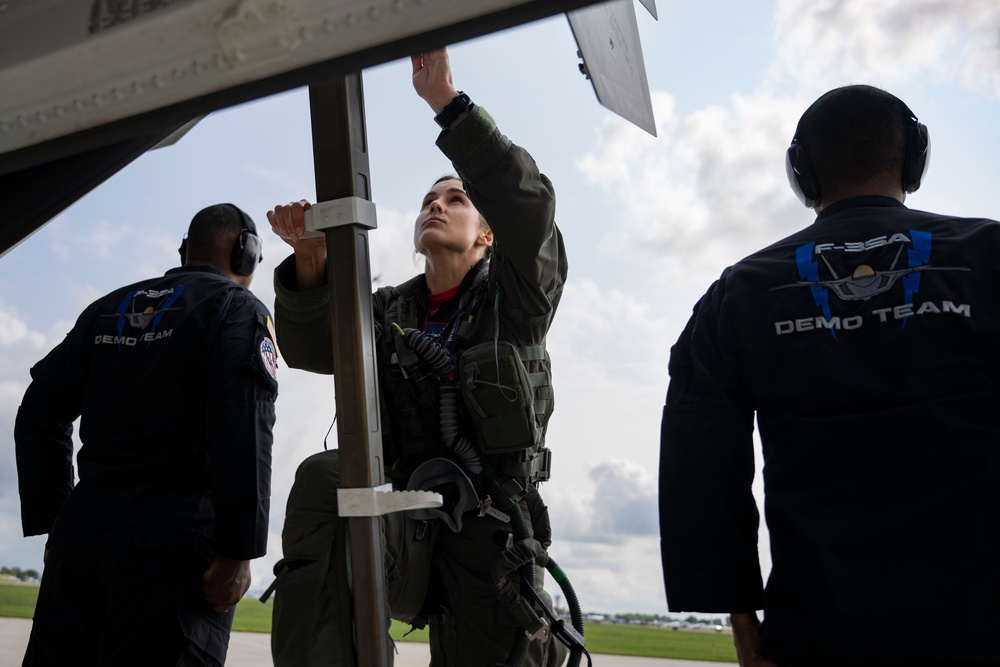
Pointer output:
x,y
528,268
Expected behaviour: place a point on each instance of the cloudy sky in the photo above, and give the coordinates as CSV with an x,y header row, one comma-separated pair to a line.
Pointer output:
x,y
649,222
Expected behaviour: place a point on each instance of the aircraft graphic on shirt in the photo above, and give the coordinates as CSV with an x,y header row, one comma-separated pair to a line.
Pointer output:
x,y
866,282
141,320
131,310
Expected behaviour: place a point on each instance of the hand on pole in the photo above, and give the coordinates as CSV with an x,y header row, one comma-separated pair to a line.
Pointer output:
x,y
289,222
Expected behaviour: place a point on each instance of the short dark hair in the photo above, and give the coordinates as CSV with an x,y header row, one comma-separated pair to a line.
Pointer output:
x,y
854,133
448,177
456,177
213,232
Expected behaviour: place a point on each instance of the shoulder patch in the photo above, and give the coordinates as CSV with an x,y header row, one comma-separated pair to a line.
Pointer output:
x,y
269,355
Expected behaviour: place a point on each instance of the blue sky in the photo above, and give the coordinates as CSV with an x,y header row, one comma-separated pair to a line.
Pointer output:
x,y
649,222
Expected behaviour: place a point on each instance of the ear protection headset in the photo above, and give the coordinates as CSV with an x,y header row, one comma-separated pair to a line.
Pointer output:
x,y
247,251
916,158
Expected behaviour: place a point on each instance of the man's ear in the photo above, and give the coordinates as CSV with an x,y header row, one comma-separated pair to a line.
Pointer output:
x,y
485,238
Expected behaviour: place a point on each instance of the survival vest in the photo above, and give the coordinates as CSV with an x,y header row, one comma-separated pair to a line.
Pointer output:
x,y
506,388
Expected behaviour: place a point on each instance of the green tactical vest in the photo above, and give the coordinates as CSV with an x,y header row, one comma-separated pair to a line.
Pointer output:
x,y
506,389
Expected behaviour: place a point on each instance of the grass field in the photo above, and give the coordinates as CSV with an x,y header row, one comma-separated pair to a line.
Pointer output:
x,y
18,600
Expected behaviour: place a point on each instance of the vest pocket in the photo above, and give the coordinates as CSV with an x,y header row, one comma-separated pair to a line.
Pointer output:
x,y
496,390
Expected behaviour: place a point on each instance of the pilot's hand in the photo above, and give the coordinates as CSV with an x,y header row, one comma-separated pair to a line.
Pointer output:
x,y
289,222
432,80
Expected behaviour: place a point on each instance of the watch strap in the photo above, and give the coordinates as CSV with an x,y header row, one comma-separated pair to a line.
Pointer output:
x,y
453,110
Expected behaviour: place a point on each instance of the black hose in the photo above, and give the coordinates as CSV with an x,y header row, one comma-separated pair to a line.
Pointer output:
x,y
444,370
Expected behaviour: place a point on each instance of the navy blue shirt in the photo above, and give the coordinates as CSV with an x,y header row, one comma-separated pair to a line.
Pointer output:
x,y
867,346
174,380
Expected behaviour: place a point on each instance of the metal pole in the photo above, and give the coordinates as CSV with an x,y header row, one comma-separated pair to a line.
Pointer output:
x,y
340,155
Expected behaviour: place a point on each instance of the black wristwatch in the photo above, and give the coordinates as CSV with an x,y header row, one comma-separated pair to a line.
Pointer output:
x,y
454,109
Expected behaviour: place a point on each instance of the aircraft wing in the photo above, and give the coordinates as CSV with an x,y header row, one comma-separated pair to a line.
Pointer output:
x,y
608,37
90,85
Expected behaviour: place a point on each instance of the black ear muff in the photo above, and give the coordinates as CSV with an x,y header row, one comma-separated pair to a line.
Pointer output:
x,y
801,176
247,252
918,153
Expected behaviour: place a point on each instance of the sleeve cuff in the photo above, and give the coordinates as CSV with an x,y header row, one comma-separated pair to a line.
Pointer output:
x,y
292,302
241,531
474,145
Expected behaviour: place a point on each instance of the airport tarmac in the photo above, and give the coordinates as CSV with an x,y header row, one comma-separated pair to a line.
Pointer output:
x,y
252,649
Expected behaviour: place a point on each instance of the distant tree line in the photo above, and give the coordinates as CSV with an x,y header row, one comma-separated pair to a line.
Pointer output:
x,y
722,619
654,619
19,574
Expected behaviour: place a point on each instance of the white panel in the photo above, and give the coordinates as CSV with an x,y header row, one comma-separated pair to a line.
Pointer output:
x,y
608,38
71,65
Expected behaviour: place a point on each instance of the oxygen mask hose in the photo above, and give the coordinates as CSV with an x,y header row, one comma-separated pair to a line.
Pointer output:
x,y
416,343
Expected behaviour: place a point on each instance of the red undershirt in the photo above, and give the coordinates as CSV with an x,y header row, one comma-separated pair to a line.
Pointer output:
x,y
435,301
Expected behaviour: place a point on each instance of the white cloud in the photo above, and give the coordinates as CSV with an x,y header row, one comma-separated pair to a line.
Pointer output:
x,y
14,331
611,558
102,240
15,550
710,189
609,385
591,321
609,366
609,373
20,347
124,248
625,499
305,410
11,392
275,180
891,41
625,576
620,504
390,244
